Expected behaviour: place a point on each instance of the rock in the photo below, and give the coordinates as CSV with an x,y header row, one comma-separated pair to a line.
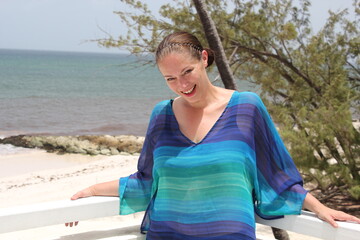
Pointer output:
x,y
73,149
35,142
105,151
93,145
93,152
114,151
17,141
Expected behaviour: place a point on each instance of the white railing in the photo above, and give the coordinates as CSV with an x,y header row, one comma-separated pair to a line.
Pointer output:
x,y
51,213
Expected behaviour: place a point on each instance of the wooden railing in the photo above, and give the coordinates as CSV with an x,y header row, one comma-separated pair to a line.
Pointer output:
x,y
57,212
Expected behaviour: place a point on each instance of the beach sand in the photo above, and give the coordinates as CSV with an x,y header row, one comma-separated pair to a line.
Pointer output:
x,y
37,176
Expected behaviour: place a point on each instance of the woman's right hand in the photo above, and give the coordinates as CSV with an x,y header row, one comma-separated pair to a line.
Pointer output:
x,y
101,189
87,192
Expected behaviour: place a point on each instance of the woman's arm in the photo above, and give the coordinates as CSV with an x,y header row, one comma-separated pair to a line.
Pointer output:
x,y
327,214
101,189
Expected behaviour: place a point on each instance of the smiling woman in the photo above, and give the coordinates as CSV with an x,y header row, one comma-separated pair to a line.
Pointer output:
x,y
182,61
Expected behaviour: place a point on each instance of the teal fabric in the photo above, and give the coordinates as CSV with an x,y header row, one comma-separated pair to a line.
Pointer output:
x,y
211,189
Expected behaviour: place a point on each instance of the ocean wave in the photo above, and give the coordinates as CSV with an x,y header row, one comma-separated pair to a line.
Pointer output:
x,y
8,149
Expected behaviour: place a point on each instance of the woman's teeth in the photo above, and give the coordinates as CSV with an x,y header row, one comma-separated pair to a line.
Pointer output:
x,y
190,91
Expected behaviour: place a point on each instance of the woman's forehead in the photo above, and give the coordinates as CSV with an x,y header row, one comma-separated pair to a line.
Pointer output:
x,y
179,57
175,63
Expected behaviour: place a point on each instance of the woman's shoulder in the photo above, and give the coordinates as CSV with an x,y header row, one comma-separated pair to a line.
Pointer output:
x,y
247,98
163,104
162,107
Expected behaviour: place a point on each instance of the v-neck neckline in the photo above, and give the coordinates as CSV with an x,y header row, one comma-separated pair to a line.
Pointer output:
x,y
211,129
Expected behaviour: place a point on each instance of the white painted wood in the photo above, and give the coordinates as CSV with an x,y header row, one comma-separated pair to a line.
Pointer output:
x,y
59,212
50,213
308,224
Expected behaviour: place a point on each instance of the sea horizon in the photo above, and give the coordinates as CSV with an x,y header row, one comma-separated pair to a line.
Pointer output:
x,y
121,52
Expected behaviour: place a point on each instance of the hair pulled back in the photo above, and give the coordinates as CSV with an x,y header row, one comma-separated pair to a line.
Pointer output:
x,y
182,42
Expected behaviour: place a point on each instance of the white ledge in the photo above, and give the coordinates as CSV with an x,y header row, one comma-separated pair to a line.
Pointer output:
x,y
308,224
59,212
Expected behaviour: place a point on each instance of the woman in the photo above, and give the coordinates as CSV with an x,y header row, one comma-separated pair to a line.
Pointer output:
x,y
211,158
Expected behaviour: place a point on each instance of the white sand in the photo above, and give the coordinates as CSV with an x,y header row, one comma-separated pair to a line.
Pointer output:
x,y
42,177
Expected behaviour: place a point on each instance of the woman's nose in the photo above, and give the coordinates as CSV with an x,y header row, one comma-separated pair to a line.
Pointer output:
x,y
183,82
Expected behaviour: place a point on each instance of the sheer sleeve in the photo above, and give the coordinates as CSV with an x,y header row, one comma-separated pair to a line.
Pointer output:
x,y
136,190
278,185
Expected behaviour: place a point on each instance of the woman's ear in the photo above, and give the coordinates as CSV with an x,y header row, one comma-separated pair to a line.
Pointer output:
x,y
204,57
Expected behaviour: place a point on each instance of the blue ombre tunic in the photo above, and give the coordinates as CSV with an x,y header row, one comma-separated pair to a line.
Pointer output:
x,y
211,189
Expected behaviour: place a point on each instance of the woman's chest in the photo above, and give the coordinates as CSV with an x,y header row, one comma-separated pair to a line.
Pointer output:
x,y
196,124
211,158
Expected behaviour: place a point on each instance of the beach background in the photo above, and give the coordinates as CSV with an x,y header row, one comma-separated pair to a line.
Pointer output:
x,y
68,92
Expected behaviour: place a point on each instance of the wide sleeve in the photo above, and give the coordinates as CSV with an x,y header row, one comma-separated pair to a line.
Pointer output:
x,y
278,186
136,190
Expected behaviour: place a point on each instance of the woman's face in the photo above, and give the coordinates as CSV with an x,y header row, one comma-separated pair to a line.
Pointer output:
x,y
185,75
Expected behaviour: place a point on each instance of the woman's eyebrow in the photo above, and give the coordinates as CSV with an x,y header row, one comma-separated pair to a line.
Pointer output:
x,y
182,71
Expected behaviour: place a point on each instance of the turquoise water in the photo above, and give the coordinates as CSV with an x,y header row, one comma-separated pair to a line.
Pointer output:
x,y
64,93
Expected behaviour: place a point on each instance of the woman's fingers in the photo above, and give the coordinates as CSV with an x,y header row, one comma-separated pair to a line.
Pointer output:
x,y
71,224
331,221
342,216
77,195
87,192
81,194
331,215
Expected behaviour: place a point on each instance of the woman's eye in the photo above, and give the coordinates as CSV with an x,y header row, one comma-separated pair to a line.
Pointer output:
x,y
170,79
188,71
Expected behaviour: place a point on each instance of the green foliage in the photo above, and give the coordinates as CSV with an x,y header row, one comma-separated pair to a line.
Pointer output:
x,y
355,192
309,81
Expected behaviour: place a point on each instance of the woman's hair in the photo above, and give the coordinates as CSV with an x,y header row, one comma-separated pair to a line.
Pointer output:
x,y
181,42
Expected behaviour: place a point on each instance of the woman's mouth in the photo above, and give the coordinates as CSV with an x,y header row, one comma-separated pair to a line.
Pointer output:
x,y
190,91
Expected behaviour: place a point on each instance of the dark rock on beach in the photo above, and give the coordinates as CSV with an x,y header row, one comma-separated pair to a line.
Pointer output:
x,y
92,145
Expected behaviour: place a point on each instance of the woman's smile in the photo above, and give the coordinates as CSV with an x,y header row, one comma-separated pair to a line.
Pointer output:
x,y
189,92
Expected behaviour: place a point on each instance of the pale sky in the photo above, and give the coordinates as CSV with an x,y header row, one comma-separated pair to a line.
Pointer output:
x,y
66,25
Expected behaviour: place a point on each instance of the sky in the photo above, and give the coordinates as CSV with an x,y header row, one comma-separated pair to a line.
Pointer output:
x,y
69,25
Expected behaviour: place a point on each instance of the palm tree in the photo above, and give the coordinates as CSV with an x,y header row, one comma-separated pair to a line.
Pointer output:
x,y
214,41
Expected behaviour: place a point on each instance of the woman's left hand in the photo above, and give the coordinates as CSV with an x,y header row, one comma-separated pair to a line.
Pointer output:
x,y
325,213
330,215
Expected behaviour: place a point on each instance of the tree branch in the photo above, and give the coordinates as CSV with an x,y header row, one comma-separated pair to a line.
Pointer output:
x,y
282,60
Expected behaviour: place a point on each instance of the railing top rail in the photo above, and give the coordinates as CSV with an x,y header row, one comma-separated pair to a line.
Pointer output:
x,y
57,212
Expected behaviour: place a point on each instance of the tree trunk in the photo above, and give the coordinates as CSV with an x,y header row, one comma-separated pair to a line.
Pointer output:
x,y
223,66
214,41
280,234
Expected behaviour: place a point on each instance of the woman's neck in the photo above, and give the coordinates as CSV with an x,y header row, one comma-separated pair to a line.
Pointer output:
x,y
212,95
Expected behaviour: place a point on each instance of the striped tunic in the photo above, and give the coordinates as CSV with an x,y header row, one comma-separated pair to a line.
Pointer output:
x,y
212,189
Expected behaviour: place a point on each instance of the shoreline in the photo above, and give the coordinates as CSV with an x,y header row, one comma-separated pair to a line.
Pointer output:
x,y
38,160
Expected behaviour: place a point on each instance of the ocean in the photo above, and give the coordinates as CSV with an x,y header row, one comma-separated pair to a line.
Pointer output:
x,y
67,93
